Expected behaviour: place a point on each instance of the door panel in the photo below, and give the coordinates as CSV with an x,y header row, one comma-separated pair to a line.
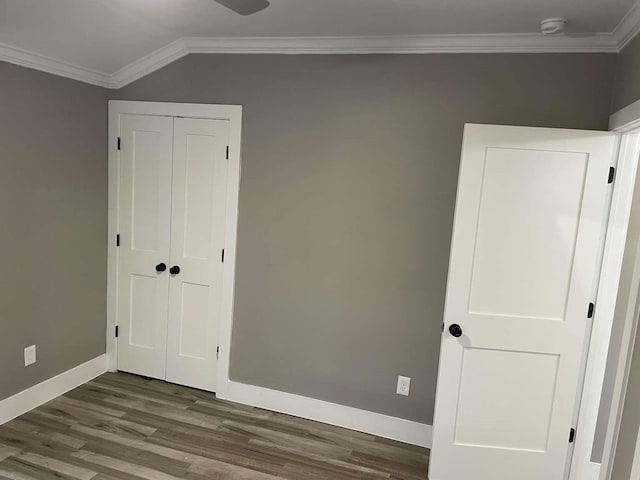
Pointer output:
x,y
529,216
513,219
143,302
503,424
197,240
144,226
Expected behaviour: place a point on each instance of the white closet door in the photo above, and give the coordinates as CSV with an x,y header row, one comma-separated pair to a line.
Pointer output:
x,y
525,249
144,227
197,241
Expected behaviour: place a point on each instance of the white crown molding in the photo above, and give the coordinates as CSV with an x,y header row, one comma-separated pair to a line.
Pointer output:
x,y
150,63
628,28
417,44
34,60
400,44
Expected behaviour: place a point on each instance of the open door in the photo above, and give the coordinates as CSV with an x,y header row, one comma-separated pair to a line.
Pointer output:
x,y
525,250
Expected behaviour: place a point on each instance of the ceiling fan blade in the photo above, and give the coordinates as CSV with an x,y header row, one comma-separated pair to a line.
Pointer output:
x,y
244,7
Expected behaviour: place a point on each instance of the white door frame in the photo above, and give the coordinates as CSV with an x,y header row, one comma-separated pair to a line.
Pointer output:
x,y
232,113
627,124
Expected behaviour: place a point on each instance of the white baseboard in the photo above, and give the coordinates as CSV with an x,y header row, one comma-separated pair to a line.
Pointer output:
x,y
35,396
406,431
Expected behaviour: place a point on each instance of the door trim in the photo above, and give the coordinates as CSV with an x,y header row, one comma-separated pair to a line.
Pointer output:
x,y
627,124
232,113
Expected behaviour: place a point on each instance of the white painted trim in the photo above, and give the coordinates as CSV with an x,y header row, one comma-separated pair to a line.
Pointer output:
x,y
399,44
635,466
403,44
626,119
35,396
396,44
628,27
625,355
26,58
233,113
112,231
616,237
406,431
627,122
592,471
149,63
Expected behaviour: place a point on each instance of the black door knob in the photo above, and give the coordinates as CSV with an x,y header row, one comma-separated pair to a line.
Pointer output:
x,y
455,330
161,267
175,270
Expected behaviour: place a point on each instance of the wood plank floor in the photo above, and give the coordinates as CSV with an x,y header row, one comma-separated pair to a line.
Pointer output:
x,y
126,427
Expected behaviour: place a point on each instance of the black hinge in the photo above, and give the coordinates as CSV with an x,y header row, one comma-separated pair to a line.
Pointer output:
x,y
118,143
116,331
590,311
227,152
223,255
612,174
118,240
572,435
217,353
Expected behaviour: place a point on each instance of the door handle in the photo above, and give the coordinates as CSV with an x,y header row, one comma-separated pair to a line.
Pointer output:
x,y
175,270
161,267
455,330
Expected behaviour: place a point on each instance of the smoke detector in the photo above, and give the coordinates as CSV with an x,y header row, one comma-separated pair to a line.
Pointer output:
x,y
552,26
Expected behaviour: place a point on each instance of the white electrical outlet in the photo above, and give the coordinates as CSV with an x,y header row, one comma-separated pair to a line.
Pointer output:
x,y
29,355
404,384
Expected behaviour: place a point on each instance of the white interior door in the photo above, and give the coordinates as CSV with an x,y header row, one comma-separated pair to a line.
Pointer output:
x,y
144,227
197,242
525,248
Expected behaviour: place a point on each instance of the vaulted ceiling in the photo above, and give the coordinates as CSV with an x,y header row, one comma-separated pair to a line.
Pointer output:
x,y
111,42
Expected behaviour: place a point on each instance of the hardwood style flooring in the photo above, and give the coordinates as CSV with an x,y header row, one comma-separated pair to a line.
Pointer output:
x,y
126,427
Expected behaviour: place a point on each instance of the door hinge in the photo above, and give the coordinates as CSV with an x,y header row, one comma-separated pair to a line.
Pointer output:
x,y
227,152
117,240
572,435
117,331
223,255
118,143
612,174
217,353
592,307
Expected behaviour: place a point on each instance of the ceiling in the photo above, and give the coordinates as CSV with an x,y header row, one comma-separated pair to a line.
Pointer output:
x,y
100,38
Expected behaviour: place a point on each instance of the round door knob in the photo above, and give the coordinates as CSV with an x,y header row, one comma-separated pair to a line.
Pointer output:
x,y
175,270
455,330
161,267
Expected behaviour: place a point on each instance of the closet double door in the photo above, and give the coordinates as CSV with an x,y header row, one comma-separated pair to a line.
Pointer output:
x,y
171,218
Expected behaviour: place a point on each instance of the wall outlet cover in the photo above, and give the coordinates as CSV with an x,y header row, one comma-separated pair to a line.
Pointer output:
x,y
404,384
29,355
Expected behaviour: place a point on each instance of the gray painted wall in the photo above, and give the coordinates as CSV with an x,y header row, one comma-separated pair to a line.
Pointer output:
x,y
349,175
53,206
627,82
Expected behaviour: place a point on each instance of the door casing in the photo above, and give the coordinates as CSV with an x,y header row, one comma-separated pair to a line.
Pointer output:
x,y
231,113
